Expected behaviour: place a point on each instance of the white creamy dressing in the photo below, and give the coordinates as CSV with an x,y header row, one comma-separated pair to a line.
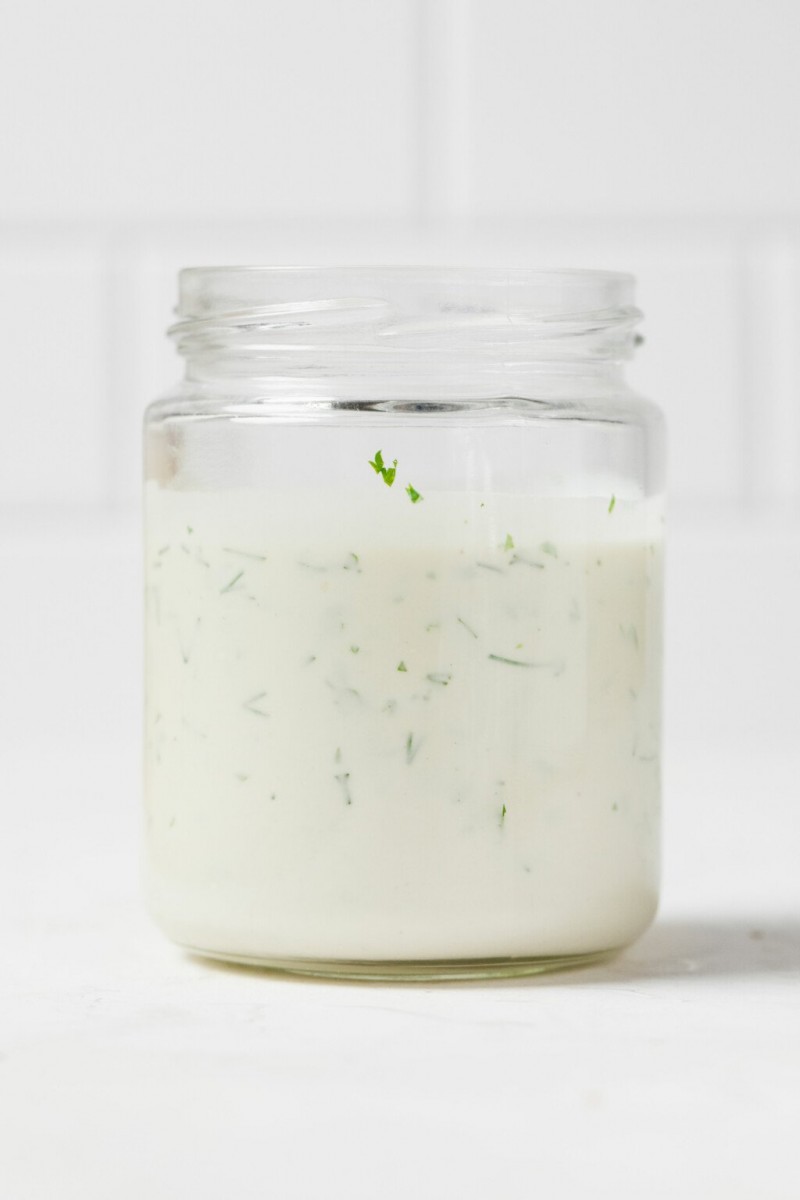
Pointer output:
x,y
379,730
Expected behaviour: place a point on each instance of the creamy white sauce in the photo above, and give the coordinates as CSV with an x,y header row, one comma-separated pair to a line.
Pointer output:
x,y
392,731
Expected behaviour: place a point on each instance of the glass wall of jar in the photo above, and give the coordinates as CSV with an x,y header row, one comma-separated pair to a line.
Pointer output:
x,y
403,558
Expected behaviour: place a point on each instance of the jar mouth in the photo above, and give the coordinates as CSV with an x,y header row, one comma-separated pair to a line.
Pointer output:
x,y
290,315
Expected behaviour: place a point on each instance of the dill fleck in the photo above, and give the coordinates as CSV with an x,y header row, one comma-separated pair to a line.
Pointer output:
x,y
631,635
354,649
503,812
244,553
489,567
189,529
518,662
250,705
526,562
440,677
413,494
401,666
611,503
344,783
468,628
509,542
549,548
412,748
163,550
242,778
229,586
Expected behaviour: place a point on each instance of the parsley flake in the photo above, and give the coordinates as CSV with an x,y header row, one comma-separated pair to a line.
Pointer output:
x,y
380,468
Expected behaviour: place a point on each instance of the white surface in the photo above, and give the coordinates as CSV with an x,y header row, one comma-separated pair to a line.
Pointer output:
x,y
128,1069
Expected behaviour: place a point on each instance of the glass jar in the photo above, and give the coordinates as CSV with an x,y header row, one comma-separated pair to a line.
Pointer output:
x,y
404,592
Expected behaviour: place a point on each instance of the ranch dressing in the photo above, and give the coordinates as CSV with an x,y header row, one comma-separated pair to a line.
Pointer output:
x,y
399,731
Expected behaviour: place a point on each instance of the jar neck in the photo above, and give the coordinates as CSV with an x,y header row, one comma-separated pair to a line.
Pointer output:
x,y
404,331
463,381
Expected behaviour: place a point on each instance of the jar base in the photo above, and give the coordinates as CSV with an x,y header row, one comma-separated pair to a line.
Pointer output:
x,y
412,971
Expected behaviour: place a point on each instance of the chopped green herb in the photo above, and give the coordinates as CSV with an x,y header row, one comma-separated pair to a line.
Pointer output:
x,y
440,677
380,468
401,666
490,567
630,634
412,748
503,812
244,553
509,542
352,562
354,649
414,494
189,529
163,550
512,662
549,548
229,586
468,628
526,562
611,503
433,625
343,691
250,705
344,783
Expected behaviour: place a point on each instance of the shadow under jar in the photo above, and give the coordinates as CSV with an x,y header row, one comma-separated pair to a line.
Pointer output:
x,y
404,592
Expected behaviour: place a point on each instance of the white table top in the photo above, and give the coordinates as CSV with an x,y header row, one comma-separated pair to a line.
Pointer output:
x,y
128,1069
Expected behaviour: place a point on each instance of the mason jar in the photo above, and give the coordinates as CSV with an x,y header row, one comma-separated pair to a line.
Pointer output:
x,y
404,594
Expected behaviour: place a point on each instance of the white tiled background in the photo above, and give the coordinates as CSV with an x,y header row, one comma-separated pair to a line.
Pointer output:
x,y
662,139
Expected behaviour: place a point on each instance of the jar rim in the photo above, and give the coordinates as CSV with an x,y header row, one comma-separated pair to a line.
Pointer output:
x,y
207,290
287,314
